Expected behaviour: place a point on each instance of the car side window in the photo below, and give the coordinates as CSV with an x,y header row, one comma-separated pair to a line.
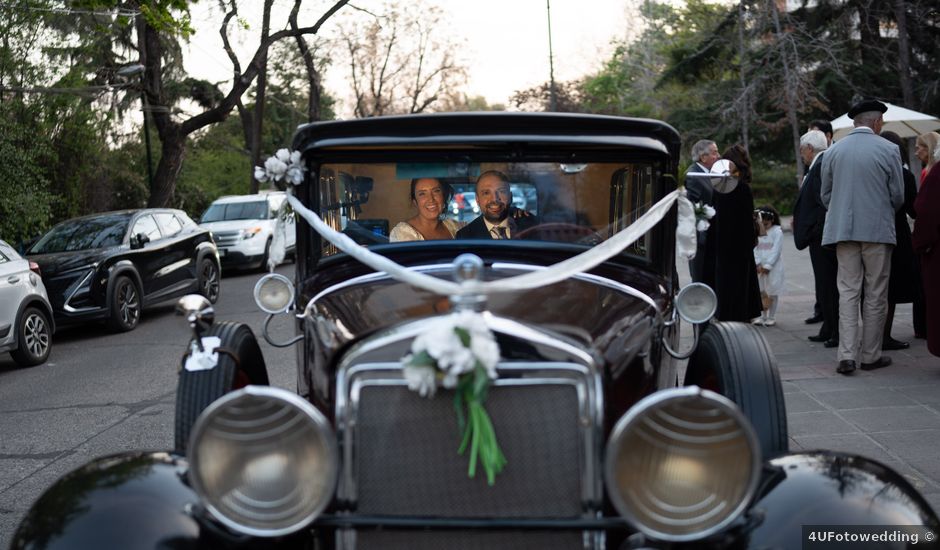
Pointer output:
x,y
3,258
168,223
147,226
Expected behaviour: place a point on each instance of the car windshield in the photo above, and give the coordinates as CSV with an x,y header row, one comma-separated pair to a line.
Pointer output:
x,y
547,201
255,210
84,234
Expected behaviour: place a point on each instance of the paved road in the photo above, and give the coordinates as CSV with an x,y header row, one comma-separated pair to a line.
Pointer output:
x,y
103,393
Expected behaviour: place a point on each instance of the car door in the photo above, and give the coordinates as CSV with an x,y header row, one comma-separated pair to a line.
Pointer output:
x,y
149,257
180,253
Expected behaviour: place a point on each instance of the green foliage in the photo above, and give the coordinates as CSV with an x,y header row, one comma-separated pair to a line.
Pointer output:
x,y
25,158
775,184
216,164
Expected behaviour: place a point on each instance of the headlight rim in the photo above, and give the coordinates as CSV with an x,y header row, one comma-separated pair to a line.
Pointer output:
x,y
278,277
320,421
683,292
656,399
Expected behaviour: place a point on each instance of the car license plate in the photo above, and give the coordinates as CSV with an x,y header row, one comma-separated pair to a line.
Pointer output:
x,y
222,252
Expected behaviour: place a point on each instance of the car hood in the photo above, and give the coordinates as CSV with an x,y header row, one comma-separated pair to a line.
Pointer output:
x,y
598,313
61,262
233,225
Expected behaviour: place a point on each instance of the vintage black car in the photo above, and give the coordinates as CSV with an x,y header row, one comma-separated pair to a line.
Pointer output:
x,y
110,266
602,444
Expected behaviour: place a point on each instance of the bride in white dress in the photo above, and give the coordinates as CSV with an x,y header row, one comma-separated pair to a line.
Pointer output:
x,y
430,197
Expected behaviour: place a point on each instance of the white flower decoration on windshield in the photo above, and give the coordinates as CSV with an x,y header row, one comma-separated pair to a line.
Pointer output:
x,y
460,352
283,165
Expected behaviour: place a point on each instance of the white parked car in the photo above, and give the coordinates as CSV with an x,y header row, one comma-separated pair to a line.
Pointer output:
x,y
243,227
26,324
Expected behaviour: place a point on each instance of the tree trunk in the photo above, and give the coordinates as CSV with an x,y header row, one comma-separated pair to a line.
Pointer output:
x,y
789,91
168,169
904,54
258,112
742,57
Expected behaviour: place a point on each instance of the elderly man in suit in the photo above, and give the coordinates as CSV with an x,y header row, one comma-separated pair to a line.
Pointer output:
x,y
809,218
862,187
699,189
498,220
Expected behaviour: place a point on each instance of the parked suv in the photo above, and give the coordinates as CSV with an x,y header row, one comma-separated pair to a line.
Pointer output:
x,y
25,314
243,227
110,266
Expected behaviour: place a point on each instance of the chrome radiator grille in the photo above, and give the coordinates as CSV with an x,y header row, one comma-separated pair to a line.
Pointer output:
x,y
400,450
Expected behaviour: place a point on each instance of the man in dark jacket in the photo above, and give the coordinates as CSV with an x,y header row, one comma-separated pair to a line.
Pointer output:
x,y
809,218
497,219
699,189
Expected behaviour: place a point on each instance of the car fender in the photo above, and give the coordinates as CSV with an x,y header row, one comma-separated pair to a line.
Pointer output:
x,y
42,303
824,488
123,267
129,501
206,248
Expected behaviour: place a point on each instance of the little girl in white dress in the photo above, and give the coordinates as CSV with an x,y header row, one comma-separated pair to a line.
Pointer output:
x,y
769,260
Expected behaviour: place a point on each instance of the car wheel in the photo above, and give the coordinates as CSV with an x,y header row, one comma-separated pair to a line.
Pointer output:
x,y
239,365
209,277
34,338
126,304
264,258
733,359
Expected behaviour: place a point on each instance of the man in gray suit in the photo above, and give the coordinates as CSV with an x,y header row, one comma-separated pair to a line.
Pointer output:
x,y
699,189
862,187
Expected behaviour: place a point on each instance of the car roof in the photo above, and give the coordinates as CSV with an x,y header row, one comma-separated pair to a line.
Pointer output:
x,y
248,198
491,127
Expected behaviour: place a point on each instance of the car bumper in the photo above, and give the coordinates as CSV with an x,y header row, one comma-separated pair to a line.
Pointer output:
x,y
141,500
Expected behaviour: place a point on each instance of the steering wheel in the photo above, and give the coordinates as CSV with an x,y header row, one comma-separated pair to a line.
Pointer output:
x,y
561,232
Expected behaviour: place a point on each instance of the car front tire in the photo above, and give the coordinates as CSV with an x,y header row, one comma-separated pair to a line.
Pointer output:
x,y
239,365
209,280
733,359
126,305
34,338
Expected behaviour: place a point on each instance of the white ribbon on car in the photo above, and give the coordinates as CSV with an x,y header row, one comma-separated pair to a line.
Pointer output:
x,y
685,243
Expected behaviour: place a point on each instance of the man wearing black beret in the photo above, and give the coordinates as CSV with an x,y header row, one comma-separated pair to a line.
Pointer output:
x,y
862,187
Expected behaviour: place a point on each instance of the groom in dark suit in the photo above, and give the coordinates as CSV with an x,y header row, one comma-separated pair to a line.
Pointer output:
x,y
495,201
698,189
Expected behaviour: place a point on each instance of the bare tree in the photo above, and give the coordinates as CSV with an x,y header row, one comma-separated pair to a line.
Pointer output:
x,y
401,61
152,48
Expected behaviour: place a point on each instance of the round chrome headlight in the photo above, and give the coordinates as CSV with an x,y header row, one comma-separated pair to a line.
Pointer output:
x,y
263,461
274,293
682,464
696,303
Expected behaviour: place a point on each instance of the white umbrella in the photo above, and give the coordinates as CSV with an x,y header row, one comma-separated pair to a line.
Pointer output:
x,y
904,122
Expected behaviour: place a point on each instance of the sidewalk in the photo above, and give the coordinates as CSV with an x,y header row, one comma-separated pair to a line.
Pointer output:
x,y
891,415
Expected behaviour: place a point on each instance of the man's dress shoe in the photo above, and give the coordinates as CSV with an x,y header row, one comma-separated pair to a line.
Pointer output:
x,y
890,344
817,338
814,319
832,342
846,366
882,361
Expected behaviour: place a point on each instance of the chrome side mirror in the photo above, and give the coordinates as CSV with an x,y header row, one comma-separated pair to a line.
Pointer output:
x,y
198,312
696,304
274,294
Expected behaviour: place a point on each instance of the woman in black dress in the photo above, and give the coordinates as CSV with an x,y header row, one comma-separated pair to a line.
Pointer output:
x,y
731,271
904,284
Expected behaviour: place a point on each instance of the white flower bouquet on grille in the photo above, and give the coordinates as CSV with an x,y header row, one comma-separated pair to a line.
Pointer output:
x,y
460,352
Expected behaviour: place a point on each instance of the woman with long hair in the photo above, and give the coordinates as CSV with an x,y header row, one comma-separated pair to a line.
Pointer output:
x,y
429,196
731,270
